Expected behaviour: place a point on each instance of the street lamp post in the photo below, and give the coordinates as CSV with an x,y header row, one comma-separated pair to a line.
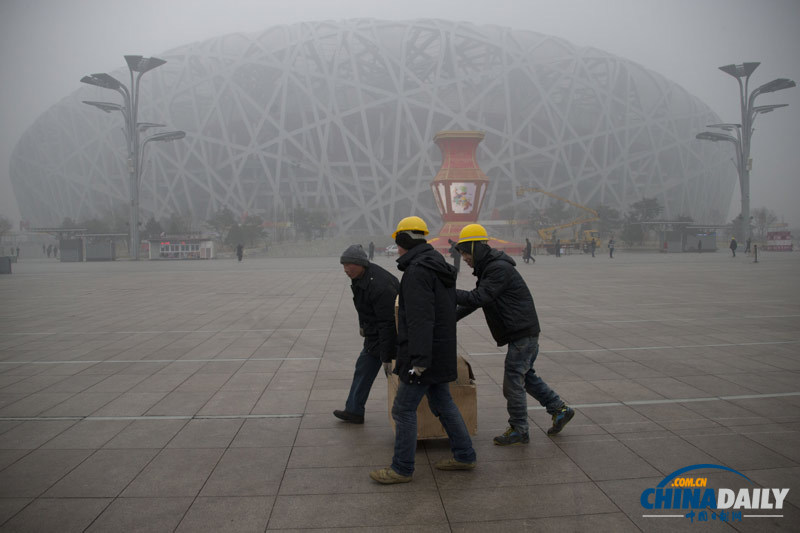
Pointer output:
x,y
138,66
744,130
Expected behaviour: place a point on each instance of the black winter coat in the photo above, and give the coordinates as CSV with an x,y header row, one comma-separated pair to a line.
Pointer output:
x,y
505,298
373,295
426,334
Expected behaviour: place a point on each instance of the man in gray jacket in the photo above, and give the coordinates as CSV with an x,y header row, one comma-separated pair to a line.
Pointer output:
x,y
374,291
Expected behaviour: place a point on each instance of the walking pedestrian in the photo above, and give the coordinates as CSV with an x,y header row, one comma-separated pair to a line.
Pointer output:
x,y
239,252
593,246
733,246
49,250
747,246
371,250
611,247
374,291
526,256
558,247
426,353
511,316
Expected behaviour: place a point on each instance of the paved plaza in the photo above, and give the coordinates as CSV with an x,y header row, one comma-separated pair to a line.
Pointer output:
x,y
197,396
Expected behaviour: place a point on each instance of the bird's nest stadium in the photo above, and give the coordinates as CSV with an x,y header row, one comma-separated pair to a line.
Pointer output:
x,y
341,116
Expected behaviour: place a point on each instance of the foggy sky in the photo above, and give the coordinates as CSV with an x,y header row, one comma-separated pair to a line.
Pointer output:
x,y
48,45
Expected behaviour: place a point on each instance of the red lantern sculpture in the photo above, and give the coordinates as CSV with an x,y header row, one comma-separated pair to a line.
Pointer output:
x,y
460,185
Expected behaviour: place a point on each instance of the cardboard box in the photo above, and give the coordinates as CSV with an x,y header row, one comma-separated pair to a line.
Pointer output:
x,y
464,393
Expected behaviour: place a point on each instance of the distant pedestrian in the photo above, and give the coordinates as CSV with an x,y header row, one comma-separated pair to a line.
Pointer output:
x,y
699,246
558,247
733,246
611,248
371,250
55,251
49,250
526,255
239,252
17,252
593,246
747,246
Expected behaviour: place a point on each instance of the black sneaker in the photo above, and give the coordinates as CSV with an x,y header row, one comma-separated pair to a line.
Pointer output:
x,y
512,437
560,419
349,417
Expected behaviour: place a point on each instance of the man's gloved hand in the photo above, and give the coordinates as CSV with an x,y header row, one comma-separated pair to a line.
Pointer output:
x,y
361,331
418,370
387,368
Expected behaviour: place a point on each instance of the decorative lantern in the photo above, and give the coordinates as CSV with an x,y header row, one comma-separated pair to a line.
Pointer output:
x,y
460,185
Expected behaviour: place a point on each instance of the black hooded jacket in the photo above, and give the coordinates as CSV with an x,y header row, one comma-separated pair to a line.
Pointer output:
x,y
426,333
504,297
373,296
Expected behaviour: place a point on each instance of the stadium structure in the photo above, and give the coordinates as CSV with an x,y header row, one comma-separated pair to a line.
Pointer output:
x,y
341,116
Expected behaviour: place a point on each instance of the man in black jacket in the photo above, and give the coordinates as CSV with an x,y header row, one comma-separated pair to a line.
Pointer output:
x,y
426,353
511,315
374,291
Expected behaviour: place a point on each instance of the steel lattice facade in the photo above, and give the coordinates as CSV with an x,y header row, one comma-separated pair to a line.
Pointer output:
x,y
341,116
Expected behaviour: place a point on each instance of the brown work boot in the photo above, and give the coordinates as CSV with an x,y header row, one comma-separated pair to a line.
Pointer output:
x,y
453,464
387,476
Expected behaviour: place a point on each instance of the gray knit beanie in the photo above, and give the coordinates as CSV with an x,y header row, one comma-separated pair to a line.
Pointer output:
x,y
356,255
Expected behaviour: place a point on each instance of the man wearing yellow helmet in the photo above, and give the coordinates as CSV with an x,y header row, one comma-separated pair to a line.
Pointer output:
x,y
511,316
426,353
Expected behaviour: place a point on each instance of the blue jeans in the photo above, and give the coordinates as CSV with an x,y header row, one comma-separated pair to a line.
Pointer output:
x,y
404,413
520,377
367,367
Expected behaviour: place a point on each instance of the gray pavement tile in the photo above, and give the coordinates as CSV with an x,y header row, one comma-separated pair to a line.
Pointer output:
x,y
230,403
247,382
130,404
262,432
76,383
323,456
203,382
31,434
726,413
666,452
207,433
626,495
597,523
81,404
344,435
174,473
779,478
32,384
37,471
534,501
352,480
153,433
778,439
180,403
11,506
522,473
8,457
87,434
117,383
34,404
606,459
56,514
160,382
242,514
104,474
141,515
248,472
345,511
281,402
740,452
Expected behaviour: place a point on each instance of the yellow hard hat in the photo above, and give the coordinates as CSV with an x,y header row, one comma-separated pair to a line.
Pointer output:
x,y
473,232
411,224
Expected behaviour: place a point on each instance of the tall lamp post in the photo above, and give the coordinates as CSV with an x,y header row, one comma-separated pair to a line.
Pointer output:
x,y
138,66
744,130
